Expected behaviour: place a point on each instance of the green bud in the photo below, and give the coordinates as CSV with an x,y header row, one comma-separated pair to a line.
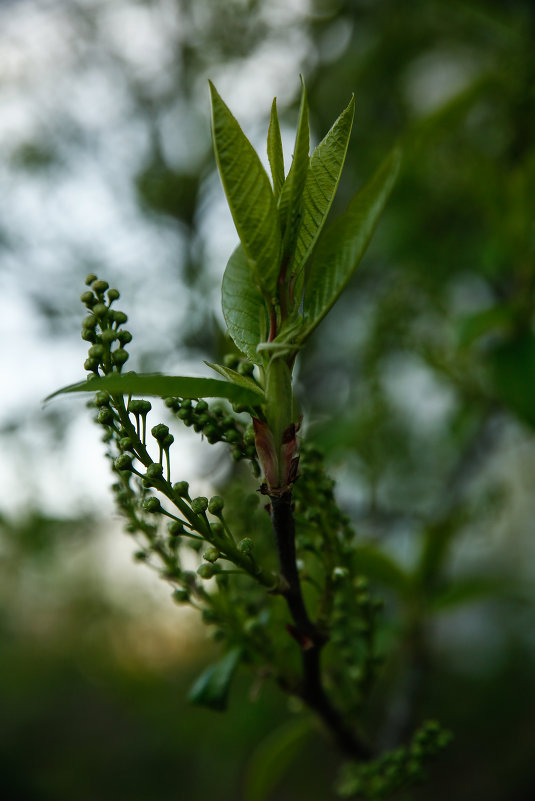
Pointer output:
x,y
90,278
232,436
154,471
181,488
126,444
172,403
152,505
113,294
246,545
248,436
108,336
88,335
124,337
118,317
123,462
119,356
245,368
215,507
211,555
231,360
201,406
160,432
89,322
175,528
96,351
105,416
100,286
199,505
141,556
180,596
139,406
207,570
88,298
168,441
212,434
184,414
100,310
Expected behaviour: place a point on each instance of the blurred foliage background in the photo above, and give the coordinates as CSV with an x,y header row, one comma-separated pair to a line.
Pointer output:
x,y
420,386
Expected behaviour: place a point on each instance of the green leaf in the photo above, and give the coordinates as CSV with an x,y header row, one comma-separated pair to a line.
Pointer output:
x,y
512,371
488,321
274,151
244,307
237,378
472,589
279,397
380,567
249,195
342,245
273,758
291,199
326,164
164,386
212,687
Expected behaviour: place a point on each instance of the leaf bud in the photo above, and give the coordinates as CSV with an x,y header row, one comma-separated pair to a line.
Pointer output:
x,y
180,596
207,570
160,432
123,462
152,505
246,545
215,507
119,356
113,294
199,505
154,471
211,555
181,488
100,310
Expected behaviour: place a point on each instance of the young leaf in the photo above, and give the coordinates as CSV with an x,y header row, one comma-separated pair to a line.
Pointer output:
x,y
249,195
326,164
244,308
212,687
342,245
237,378
274,151
164,386
290,204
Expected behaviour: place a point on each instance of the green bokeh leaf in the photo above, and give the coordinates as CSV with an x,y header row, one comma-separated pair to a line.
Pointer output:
x,y
244,308
249,195
273,758
164,386
213,685
237,378
512,371
342,245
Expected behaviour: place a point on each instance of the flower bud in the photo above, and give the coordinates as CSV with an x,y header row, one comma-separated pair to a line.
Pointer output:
x,y
160,432
119,356
175,528
199,505
181,488
126,444
246,545
139,406
100,286
113,294
90,278
108,336
154,471
211,555
207,570
100,310
89,322
180,596
123,462
215,507
152,505
167,442
96,351
118,317
201,406
124,337
88,299
105,416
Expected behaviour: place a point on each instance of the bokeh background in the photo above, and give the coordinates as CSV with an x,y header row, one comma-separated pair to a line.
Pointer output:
x,y
420,386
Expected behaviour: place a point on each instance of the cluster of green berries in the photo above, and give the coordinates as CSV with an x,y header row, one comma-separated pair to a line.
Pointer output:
x,y
395,770
102,328
218,425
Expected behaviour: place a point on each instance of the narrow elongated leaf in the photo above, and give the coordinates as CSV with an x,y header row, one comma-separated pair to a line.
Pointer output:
x,y
273,758
237,378
291,199
212,687
342,245
249,195
244,308
326,164
164,386
274,151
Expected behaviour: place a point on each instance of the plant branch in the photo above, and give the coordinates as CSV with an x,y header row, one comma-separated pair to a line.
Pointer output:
x,y
310,639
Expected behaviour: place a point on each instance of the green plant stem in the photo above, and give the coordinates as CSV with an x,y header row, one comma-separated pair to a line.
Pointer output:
x,y
306,633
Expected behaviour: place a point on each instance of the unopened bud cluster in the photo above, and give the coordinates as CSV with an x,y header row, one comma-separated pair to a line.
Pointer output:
x,y
103,328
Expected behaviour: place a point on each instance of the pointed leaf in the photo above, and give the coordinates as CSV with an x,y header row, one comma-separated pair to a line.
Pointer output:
x,y
164,386
212,687
274,150
342,245
244,308
326,164
291,199
237,378
249,195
